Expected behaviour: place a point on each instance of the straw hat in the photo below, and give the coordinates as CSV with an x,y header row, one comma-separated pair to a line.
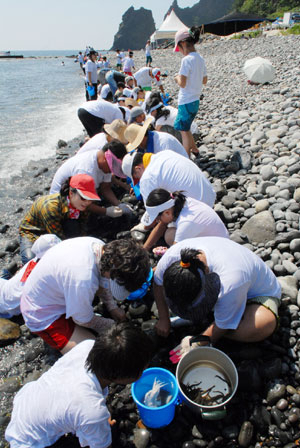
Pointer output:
x,y
134,134
116,130
131,102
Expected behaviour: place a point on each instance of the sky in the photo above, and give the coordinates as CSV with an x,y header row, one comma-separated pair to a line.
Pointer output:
x,y
69,24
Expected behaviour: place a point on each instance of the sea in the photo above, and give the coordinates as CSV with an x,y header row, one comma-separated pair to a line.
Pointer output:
x,y
39,98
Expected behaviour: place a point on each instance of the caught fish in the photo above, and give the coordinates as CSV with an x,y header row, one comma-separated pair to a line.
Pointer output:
x,y
152,397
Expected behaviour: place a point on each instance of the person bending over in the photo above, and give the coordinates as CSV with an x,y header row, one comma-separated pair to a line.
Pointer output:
x,y
200,275
70,397
57,299
62,213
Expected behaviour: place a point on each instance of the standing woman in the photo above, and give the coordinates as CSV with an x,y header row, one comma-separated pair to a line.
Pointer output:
x,y
91,76
191,77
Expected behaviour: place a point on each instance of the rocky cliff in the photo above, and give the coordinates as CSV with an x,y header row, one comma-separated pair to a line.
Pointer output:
x,y
205,11
134,30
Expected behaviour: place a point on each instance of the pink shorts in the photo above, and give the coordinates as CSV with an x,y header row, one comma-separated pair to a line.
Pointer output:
x,y
58,334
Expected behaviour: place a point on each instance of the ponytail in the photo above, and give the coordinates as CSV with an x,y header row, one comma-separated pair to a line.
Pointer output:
x,y
194,32
182,280
64,191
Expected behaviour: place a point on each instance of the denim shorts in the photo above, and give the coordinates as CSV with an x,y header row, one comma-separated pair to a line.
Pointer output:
x,y
185,116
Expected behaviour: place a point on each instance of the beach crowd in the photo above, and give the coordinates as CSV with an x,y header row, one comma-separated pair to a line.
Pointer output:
x,y
140,145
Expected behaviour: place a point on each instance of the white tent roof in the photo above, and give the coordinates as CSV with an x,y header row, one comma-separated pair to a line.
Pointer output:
x,y
168,28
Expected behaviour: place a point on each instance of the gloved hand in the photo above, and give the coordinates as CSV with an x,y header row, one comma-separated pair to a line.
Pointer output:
x,y
140,228
114,211
126,208
185,346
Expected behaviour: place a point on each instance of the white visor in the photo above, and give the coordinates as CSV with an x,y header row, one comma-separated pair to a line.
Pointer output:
x,y
152,212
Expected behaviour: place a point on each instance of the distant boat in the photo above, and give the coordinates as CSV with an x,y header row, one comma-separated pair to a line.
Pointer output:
x,y
8,55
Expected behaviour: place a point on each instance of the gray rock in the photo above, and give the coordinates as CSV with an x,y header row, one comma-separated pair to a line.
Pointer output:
x,y
276,391
260,228
289,286
295,245
267,172
245,434
262,205
141,437
290,267
297,195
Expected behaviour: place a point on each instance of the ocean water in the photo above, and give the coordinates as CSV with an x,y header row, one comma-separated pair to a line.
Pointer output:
x,y
39,98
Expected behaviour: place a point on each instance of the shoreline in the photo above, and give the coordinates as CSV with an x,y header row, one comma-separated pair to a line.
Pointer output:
x,y
250,150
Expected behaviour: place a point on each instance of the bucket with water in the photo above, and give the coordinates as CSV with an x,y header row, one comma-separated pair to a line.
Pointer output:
x,y
162,415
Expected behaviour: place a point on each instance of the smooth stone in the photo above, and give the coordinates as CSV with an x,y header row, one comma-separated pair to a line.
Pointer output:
x,y
275,392
277,415
245,434
260,228
196,433
262,205
139,237
289,286
228,201
295,245
10,385
282,404
267,172
8,330
188,444
12,246
296,195
141,437
290,267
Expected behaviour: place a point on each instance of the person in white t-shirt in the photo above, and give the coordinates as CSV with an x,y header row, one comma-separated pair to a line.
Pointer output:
x,y
11,288
57,299
91,76
165,116
120,56
100,165
81,61
94,114
206,274
151,141
191,77
148,54
177,217
128,64
70,397
170,171
145,76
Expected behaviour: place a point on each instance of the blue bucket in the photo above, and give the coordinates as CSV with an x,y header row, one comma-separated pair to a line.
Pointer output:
x,y
162,415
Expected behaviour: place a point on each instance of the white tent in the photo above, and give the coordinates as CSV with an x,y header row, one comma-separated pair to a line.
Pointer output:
x,y
168,28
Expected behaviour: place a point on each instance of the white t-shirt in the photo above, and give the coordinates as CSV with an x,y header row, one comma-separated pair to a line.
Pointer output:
x,y
163,141
93,144
174,172
128,64
169,120
103,109
143,78
80,59
65,399
194,68
120,57
64,282
243,275
148,50
198,219
10,293
91,67
104,91
85,163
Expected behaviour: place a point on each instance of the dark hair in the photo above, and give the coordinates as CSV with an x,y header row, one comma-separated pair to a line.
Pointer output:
x,y
121,84
91,53
182,285
109,96
104,58
117,148
121,352
159,196
194,33
64,190
137,160
127,262
154,100
130,53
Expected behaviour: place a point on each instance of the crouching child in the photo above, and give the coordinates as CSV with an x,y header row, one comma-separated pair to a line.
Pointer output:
x,y
70,397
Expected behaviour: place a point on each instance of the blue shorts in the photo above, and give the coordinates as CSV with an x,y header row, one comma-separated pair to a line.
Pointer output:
x,y
185,116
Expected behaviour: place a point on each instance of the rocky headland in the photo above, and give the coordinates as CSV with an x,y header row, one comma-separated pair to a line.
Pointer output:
x,y
250,149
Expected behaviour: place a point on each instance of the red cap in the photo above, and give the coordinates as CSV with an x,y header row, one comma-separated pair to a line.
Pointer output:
x,y
85,185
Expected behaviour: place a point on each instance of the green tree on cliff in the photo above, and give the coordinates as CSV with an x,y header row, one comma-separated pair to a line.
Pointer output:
x,y
264,7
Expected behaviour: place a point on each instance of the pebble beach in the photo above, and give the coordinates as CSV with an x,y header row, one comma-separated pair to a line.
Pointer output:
x,y
249,148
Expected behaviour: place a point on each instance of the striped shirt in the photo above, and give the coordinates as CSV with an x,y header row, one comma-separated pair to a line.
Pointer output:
x,y
47,215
